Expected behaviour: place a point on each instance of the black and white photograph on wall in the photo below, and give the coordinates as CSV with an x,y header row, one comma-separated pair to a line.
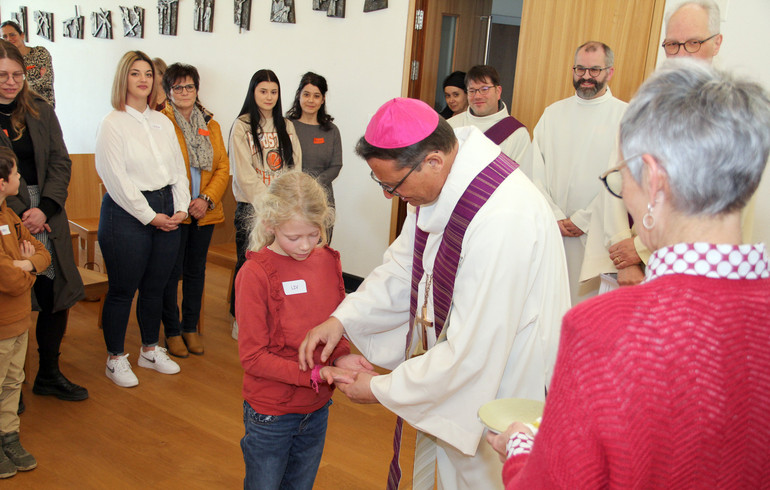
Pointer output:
x,y
74,26
167,16
336,9
321,5
20,18
203,15
133,21
242,10
101,24
44,23
282,11
372,5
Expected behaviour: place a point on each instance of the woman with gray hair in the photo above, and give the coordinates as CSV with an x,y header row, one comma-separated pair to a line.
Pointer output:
x,y
666,384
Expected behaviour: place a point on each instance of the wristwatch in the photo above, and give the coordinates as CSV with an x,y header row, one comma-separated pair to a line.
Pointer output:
x,y
208,200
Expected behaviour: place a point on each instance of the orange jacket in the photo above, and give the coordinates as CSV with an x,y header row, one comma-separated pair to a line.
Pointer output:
x,y
213,183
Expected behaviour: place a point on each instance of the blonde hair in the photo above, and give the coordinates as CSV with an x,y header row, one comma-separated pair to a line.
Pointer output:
x,y
120,83
292,195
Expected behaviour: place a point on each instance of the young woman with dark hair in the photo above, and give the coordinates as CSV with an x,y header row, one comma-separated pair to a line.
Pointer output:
x,y
318,136
263,145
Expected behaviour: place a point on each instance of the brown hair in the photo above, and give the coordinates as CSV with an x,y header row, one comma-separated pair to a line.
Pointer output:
x,y
120,83
24,97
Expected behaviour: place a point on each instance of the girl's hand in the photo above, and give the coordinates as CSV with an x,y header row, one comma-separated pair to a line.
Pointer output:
x,y
26,248
498,441
332,374
356,363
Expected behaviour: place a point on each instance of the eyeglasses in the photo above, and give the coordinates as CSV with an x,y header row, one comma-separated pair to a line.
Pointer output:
x,y
691,46
612,179
392,190
593,71
18,77
482,90
179,88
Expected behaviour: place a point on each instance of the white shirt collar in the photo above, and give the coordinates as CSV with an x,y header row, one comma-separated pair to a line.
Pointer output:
x,y
139,116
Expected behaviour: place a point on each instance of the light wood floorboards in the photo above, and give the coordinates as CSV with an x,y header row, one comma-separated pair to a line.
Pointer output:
x,y
179,431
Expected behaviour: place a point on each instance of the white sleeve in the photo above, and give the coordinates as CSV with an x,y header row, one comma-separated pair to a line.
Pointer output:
x,y
110,156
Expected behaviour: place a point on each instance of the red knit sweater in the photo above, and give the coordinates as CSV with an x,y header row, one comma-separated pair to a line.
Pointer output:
x,y
272,325
662,385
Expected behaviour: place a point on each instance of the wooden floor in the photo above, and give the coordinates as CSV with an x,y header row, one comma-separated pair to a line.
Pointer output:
x,y
179,431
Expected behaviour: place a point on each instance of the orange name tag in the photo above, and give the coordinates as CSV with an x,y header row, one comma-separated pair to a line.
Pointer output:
x,y
30,67
6,132
318,141
203,132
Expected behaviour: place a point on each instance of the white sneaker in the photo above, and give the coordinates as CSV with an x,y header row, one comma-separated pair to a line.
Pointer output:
x,y
234,331
119,371
158,360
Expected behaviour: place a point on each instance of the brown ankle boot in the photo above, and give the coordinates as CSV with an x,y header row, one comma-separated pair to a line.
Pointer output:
x,y
176,347
193,342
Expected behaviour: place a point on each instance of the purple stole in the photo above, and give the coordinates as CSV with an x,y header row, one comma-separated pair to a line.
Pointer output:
x,y
445,266
502,129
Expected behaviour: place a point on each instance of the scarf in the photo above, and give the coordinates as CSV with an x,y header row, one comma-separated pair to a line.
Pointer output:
x,y
196,137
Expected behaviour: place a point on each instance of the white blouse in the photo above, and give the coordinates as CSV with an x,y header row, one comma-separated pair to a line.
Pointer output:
x,y
139,151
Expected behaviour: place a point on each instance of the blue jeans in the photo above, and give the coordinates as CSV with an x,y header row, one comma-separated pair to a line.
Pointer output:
x,y
136,256
191,265
283,451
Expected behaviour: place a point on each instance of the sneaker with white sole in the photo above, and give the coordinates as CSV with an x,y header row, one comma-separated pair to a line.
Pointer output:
x,y
158,360
119,371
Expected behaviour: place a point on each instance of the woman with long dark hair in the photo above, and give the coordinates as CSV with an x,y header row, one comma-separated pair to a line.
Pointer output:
x,y
148,195
263,145
318,136
32,131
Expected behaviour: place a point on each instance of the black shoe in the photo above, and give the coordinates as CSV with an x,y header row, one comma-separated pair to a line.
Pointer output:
x,y
55,384
21,406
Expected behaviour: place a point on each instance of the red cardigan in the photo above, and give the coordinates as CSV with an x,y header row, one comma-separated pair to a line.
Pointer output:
x,y
272,325
662,385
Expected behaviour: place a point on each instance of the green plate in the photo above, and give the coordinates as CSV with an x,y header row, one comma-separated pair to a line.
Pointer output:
x,y
497,415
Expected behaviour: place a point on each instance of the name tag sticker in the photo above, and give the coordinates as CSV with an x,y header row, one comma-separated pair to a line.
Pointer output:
x,y
155,126
294,287
318,141
5,230
203,132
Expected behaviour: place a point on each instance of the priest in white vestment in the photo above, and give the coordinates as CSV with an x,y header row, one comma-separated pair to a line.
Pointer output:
x,y
485,109
501,334
571,146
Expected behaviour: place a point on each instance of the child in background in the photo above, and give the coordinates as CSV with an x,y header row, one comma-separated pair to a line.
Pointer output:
x,y
20,256
291,281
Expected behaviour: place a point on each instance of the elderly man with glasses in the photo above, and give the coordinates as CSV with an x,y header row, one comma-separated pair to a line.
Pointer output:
x,y
467,305
488,113
571,145
692,30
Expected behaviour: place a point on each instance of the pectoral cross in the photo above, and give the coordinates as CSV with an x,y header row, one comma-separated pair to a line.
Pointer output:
x,y
423,322
422,348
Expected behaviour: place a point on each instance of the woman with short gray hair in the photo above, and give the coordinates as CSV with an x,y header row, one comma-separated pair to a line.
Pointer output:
x,y
666,384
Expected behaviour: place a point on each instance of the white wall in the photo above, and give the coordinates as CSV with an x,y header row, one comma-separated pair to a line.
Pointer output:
x,y
745,50
361,57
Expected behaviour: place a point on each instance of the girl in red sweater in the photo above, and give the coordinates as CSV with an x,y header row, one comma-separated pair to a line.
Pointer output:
x,y
291,281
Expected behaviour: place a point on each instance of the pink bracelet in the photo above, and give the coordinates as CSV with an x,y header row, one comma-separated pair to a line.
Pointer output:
x,y
315,377
519,443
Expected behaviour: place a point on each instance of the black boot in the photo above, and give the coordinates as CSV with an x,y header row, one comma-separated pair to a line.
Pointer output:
x,y
50,381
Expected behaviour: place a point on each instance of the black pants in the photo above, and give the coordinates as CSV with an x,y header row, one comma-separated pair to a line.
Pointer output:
x,y
50,326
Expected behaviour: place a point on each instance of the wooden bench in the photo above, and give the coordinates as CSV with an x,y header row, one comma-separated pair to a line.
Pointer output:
x,y
225,255
95,286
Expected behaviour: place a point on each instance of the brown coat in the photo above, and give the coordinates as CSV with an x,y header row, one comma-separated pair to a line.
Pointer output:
x,y
53,175
14,282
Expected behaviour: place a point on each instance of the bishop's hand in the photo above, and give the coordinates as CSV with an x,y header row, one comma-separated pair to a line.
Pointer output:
x,y
328,333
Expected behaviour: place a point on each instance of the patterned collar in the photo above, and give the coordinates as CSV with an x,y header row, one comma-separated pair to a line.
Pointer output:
x,y
722,261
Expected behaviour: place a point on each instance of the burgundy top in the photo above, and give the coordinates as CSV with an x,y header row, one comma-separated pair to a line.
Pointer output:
x,y
272,324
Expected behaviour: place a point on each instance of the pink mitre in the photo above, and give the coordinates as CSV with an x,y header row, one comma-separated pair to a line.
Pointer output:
x,y
401,122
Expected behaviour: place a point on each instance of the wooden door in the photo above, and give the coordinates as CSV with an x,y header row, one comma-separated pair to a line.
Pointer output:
x,y
551,30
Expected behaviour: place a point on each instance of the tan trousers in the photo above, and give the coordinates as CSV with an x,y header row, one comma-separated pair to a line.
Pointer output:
x,y
13,351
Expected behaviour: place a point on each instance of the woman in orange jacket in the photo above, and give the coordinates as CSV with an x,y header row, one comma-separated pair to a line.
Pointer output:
x,y
208,170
